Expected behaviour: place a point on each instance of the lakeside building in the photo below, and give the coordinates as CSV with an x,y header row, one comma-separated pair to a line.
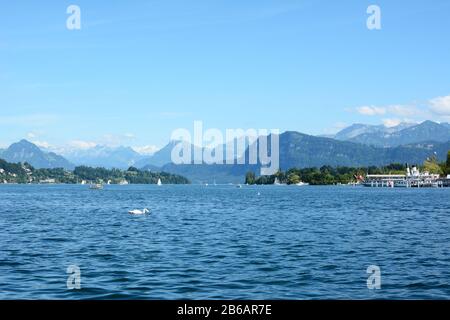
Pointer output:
x,y
48,181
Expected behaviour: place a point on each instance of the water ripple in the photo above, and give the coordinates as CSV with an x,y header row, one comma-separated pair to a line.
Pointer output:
x,y
223,242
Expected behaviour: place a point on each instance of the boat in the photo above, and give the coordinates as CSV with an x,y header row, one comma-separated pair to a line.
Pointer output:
x,y
239,186
96,186
278,183
302,184
159,182
412,179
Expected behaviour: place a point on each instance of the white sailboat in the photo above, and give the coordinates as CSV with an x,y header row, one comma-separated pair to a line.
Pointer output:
x,y
159,182
96,186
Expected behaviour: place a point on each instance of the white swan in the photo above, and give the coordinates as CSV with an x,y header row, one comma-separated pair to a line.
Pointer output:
x,y
135,211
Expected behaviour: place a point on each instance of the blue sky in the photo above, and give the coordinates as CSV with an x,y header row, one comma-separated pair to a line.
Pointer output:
x,y
137,70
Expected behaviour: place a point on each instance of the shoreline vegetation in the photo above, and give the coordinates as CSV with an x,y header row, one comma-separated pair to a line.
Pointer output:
x,y
24,173
327,175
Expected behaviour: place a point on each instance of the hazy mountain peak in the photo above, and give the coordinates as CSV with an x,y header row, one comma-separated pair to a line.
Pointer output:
x,y
25,151
120,157
357,129
403,133
24,144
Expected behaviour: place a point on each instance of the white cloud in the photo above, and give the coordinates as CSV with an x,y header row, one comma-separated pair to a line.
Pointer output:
x,y
129,136
391,122
436,109
404,110
371,110
79,144
146,150
396,113
42,144
440,105
115,140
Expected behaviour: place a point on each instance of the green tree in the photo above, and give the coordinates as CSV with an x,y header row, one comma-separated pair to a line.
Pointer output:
x,y
432,166
448,162
293,178
250,178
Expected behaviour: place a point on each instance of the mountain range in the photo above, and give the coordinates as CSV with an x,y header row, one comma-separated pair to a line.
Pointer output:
x,y
25,151
104,156
159,159
402,134
301,151
357,145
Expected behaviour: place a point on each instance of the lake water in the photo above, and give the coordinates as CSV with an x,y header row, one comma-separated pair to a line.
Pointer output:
x,y
221,242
